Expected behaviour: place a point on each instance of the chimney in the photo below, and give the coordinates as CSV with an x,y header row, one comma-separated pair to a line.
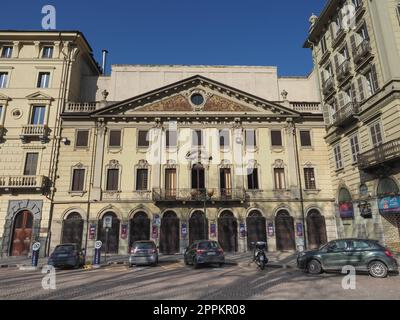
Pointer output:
x,y
104,64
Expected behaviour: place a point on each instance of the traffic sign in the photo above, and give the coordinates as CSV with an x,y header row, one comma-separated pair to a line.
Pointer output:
x,y
98,244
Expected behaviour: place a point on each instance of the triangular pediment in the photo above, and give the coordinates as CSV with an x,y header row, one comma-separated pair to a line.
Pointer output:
x,y
39,96
177,98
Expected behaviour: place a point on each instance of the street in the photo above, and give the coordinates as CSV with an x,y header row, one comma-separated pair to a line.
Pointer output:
x,y
175,281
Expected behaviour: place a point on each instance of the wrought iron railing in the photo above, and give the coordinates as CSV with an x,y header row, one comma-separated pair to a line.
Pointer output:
x,y
343,70
345,114
380,154
199,195
362,50
328,85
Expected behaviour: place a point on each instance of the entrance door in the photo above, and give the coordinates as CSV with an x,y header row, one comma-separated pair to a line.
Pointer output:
x,y
72,229
198,227
225,183
256,228
111,246
316,229
227,232
139,228
284,225
169,233
22,234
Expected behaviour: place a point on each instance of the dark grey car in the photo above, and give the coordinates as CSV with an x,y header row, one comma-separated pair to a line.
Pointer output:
x,y
362,254
204,252
67,255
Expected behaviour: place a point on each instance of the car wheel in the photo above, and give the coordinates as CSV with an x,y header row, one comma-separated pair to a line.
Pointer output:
x,y
314,267
377,269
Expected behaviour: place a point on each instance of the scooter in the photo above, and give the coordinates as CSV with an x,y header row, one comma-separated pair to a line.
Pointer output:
x,y
259,256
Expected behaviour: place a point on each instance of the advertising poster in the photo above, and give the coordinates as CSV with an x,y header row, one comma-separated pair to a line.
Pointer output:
x,y
184,230
299,229
389,205
124,231
346,210
270,229
92,232
213,230
242,230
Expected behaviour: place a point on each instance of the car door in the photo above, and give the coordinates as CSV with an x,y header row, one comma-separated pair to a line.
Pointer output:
x,y
358,252
335,256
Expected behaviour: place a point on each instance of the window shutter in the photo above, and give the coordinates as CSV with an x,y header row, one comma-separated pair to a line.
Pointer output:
x,y
82,138
31,164
353,44
374,78
115,138
112,179
327,114
78,179
361,88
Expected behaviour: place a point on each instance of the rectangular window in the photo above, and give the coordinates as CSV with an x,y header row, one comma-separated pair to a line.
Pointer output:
x,y
252,179
197,138
338,157
3,79
305,138
78,179
354,147
142,179
171,138
6,53
323,45
115,139
309,179
279,174
43,80
250,137
276,138
224,139
170,182
82,138
143,141
31,163
38,114
376,134
1,112
112,179
47,52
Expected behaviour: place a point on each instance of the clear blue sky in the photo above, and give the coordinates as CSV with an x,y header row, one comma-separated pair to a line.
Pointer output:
x,y
212,32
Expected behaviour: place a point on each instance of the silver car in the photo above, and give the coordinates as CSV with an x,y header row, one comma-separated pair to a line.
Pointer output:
x,y
143,253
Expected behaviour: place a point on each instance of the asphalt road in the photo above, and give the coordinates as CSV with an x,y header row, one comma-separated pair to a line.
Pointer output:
x,y
174,281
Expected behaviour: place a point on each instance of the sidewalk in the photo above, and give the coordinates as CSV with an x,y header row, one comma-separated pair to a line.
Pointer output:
x,y
276,259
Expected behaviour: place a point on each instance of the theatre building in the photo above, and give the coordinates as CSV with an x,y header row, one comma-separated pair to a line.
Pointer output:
x,y
182,153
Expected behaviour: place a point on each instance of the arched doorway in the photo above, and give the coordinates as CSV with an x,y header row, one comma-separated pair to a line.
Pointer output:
x,y
284,226
227,231
72,229
22,234
256,228
169,233
111,246
198,227
316,229
139,228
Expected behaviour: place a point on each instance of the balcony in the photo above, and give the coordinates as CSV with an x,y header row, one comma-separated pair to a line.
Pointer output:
x,y
362,52
360,9
346,114
32,131
30,183
306,107
383,154
339,37
343,71
81,107
328,86
199,195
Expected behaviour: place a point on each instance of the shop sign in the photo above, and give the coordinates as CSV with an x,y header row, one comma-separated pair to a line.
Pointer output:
x,y
389,205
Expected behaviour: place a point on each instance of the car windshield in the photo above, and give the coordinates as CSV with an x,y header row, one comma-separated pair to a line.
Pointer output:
x,y
208,245
63,249
144,245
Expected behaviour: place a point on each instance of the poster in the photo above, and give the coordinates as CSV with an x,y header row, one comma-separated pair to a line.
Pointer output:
x,y
389,205
346,210
213,230
299,228
184,231
271,231
242,230
154,232
124,231
92,231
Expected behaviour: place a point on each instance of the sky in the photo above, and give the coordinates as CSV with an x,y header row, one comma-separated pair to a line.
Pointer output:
x,y
206,32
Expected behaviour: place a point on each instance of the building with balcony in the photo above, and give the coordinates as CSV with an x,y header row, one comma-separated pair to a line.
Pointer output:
x,y
362,116
39,72
181,153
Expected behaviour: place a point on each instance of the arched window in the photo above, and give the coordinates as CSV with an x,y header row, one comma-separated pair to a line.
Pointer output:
x,y
345,201
388,197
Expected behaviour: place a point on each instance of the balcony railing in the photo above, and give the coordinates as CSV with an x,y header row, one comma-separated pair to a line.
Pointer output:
x,y
339,36
198,195
343,70
34,131
23,182
345,114
379,155
81,107
328,86
362,50
310,107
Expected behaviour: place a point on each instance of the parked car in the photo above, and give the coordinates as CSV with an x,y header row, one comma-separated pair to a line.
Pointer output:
x,y
143,253
204,252
364,255
67,255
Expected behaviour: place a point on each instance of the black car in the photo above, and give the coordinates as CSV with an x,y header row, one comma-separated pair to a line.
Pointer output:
x,y
67,255
362,254
204,252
